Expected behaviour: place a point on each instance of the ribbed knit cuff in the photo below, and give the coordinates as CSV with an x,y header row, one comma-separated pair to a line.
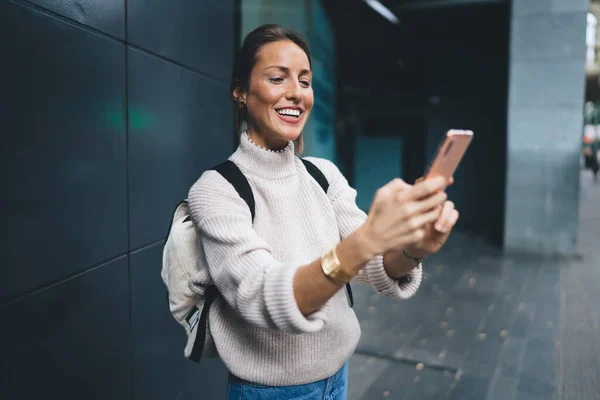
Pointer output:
x,y
387,286
281,303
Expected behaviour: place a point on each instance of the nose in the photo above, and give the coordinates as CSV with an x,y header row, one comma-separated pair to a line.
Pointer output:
x,y
294,92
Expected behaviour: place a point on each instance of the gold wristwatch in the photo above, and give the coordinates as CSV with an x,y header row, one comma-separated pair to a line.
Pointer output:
x,y
331,266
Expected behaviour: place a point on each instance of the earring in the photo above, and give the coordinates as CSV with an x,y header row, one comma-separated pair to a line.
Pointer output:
x,y
242,104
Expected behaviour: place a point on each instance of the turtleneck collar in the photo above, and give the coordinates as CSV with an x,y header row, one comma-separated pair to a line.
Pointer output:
x,y
269,164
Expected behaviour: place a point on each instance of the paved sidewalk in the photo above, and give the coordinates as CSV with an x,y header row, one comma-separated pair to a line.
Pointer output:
x,y
580,312
487,326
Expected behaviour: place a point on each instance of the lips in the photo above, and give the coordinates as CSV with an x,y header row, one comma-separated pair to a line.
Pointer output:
x,y
291,115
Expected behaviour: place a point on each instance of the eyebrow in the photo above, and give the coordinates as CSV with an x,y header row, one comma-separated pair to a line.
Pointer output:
x,y
286,69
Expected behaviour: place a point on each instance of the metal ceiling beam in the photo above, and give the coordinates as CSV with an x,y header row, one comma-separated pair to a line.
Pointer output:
x,y
423,4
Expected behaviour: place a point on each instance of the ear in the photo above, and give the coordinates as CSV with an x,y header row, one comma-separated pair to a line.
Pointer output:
x,y
239,95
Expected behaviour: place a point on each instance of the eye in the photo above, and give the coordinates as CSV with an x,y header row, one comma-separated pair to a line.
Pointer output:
x,y
276,79
305,83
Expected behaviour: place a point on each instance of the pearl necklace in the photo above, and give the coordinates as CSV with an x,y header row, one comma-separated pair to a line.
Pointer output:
x,y
269,150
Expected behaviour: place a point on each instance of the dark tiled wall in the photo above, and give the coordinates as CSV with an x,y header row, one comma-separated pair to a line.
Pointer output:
x,y
112,109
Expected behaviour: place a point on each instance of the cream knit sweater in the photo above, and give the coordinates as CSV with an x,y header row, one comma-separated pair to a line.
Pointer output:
x,y
256,325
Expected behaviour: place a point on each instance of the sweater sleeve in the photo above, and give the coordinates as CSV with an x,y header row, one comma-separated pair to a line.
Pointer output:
x,y
350,218
241,264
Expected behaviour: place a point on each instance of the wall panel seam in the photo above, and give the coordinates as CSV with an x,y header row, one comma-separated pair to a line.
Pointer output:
x,y
5,302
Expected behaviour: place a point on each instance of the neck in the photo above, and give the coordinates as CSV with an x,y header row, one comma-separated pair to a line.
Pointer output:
x,y
276,144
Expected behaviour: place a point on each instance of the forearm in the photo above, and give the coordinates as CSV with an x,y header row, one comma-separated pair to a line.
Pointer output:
x,y
312,288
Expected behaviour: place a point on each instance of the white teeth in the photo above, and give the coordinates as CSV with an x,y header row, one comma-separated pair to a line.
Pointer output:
x,y
289,111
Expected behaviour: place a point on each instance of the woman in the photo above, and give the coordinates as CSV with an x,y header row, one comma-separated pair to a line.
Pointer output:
x,y
590,150
282,325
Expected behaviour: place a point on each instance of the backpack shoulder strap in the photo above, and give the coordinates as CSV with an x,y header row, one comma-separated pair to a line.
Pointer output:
x,y
317,174
232,173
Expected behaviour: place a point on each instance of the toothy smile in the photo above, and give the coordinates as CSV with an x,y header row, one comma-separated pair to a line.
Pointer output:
x,y
289,112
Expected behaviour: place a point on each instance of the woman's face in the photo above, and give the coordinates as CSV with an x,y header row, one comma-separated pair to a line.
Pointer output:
x,y
280,95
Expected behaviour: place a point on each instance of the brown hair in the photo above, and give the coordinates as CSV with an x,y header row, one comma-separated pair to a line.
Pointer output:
x,y
247,57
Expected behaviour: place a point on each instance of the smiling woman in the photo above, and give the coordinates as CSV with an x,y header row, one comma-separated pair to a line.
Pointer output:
x,y
282,322
271,84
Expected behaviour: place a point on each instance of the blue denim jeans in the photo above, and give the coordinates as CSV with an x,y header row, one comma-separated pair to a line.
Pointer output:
x,y
332,388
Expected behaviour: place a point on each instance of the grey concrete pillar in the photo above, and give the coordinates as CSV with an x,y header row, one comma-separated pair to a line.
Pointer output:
x,y
545,122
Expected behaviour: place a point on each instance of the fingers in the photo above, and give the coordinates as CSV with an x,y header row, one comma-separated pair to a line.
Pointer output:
x,y
410,237
414,229
397,184
418,207
447,218
441,222
425,188
388,191
420,220
453,219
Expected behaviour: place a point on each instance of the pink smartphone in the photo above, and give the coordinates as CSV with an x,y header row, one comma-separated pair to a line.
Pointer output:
x,y
450,153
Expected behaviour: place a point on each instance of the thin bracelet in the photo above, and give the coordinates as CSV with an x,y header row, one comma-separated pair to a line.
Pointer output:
x,y
415,259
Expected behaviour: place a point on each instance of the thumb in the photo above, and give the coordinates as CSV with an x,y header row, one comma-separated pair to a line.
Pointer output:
x,y
398,184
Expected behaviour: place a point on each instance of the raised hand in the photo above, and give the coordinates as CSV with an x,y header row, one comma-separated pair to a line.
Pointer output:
x,y
401,214
437,233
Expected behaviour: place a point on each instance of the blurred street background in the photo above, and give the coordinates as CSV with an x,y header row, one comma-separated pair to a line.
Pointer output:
x,y
488,326
113,108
